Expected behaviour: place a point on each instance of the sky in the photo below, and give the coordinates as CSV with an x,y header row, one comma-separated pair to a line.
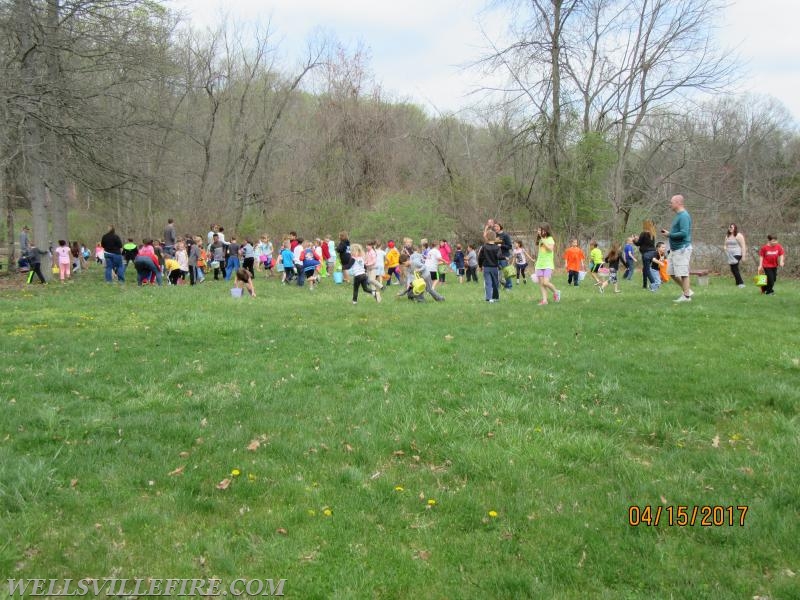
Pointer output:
x,y
419,48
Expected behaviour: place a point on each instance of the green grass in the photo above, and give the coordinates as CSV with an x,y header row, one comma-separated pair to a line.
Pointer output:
x,y
558,418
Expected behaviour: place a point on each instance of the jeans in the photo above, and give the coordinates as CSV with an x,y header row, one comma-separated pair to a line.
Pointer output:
x,y
656,279
114,263
628,268
735,271
647,271
145,267
491,282
231,266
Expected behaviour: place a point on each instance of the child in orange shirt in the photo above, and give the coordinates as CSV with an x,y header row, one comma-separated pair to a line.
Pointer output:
x,y
573,257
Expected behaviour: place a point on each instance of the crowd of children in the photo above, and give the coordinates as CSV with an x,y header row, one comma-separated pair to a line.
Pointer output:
x,y
418,268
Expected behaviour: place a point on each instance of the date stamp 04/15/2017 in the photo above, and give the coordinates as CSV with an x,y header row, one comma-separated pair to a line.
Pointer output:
x,y
707,515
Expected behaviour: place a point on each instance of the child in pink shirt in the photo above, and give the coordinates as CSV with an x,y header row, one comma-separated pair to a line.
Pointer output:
x,y
64,257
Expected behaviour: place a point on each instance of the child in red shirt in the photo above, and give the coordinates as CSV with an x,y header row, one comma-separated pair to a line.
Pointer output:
x,y
770,257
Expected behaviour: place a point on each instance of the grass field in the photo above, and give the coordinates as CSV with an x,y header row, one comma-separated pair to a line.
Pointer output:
x,y
395,450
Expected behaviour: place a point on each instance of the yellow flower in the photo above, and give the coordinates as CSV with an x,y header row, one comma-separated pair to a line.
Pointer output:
x,y
235,473
493,514
398,488
251,477
431,502
327,512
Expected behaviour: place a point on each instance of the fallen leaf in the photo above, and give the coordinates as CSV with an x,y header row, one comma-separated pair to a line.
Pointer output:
x,y
348,448
184,454
715,442
178,471
448,337
663,500
581,561
375,475
746,470
223,485
254,445
73,483
398,453
203,422
422,554
281,531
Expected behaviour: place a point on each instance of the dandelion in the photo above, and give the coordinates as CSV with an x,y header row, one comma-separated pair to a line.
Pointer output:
x,y
398,488
251,477
327,512
493,514
431,502
235,473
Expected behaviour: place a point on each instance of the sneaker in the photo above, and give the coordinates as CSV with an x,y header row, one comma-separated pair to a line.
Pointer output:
x,y
557,296
690,293
491,301
617,291
683,299
378,297
741,285
543,302
355,302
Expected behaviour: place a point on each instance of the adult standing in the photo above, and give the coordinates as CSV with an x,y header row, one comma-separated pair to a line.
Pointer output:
x,y
646,241
112,255
680,247
770,257
170,238
735,250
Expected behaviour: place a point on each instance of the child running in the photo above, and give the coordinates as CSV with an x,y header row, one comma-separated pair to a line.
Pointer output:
x,y
595,261
613,259
359,272
521,257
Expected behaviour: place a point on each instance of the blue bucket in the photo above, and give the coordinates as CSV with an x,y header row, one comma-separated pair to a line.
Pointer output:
x,y
338,277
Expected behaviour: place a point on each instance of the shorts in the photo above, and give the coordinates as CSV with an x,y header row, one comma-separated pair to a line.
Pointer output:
x,y
434,275
461,271
309,273
678,265
612,275
544,273
594,268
